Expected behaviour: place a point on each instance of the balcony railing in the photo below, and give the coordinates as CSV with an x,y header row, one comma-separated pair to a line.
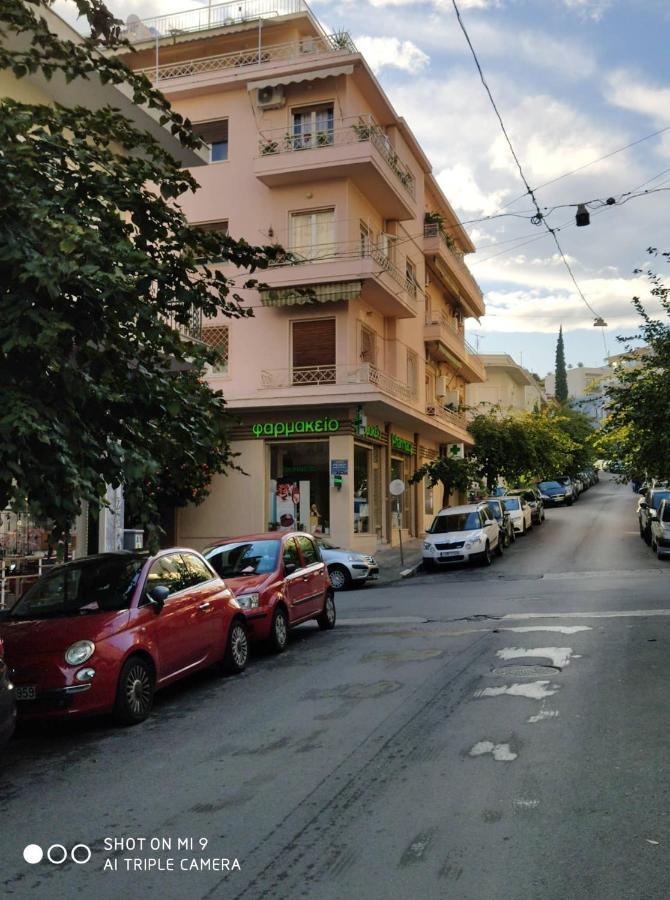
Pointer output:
x,y
349,130
433,230
192,329
362,373
253,56
213,16
449,416
353,250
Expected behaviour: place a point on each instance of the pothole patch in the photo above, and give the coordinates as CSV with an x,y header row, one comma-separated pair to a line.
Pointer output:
x,y
525,671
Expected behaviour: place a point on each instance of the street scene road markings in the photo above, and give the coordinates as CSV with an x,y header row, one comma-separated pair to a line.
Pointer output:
x,y
534,690
596,614
500,752
542,716
562,629
559,656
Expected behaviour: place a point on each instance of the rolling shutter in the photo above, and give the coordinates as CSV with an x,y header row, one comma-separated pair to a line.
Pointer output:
x,y
314,343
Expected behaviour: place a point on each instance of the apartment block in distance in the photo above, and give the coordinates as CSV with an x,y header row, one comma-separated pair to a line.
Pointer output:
x,y
508,388
353,370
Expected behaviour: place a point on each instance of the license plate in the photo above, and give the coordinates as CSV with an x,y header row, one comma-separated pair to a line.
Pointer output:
x,y
449,553
26,693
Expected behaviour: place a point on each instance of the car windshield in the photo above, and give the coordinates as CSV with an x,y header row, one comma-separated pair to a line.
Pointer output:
x,y
563,479
511,502
549,486
494,506
244,558
455,522
87,586
658,497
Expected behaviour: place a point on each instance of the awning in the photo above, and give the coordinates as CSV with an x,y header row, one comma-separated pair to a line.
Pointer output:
x,y
300,76
315,293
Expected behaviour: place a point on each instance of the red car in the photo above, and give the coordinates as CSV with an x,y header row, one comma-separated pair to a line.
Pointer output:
x,y
279,581
7,702
103,633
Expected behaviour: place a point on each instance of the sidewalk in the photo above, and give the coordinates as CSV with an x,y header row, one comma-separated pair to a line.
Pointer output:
x,y
388,560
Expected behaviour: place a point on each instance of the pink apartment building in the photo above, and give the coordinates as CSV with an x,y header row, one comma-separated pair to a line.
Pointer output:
x,y
352,371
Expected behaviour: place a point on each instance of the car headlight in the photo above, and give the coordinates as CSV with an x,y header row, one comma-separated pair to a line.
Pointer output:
x,y
356,557
429,547
248,601
79,652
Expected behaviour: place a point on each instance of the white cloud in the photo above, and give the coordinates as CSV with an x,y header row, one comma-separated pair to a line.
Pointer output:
x,y
387,51
628,92
591,9
459,184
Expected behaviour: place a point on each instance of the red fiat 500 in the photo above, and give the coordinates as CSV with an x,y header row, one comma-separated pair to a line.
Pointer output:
x,y
103,633
279,580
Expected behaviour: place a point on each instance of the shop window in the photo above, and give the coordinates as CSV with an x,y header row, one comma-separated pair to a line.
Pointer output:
x,y
215,134
313,351
362,482
300,486
368,353
313,126
312,234
218,338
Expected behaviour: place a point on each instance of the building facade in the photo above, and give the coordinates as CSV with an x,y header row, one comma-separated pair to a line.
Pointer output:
x,y
354,368
509,388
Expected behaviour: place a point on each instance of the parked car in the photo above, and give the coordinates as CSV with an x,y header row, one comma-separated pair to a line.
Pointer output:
x,y
503,519
534,499
279,580
649,503
571,492
7,701
660,529
520,513
347,568
103,633
553,493
462,534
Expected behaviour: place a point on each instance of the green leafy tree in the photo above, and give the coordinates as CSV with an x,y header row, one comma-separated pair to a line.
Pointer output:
x,y
452,471
561,389
637,429
99,270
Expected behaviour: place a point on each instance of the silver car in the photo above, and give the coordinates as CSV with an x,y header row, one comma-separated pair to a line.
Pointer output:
x,y
659,524
347,567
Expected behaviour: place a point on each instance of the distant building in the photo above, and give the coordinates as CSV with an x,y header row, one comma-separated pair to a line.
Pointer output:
x,y
508,386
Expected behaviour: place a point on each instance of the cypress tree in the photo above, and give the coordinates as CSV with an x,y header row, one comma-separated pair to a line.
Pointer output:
x,y
561,390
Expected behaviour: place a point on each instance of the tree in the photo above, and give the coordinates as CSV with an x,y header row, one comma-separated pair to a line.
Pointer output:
x,y
561,389
98,271
453,472
637,429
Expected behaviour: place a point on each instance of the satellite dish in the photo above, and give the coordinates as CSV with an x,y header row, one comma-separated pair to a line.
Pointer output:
x,y
397,487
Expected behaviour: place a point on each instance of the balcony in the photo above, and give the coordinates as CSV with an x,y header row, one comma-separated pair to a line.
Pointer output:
x,y
354,148
446,343
449,264
447,416
358,374
365,269
190,330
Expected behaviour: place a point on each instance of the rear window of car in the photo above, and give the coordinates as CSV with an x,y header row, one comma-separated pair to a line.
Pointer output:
x,y
494,506
511,502
455,522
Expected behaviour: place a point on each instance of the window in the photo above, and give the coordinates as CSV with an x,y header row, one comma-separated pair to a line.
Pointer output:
x,y
312,234
216,135
291,556
412,371
197,571
368,352
218,338
168,571
220,228
252,558
313,127
313,350
366,238
309,552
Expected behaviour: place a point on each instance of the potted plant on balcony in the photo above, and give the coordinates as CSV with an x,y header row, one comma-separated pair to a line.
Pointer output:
x,y
436,218
340,41
363,130
267,147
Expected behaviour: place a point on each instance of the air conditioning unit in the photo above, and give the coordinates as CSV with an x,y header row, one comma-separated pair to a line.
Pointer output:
x,y
441,386
308,45
271,97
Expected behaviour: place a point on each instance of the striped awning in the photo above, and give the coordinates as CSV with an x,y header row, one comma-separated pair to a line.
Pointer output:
x,y
300,76
313,293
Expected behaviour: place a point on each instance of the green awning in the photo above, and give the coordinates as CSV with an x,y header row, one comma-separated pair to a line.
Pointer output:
x,y
308,294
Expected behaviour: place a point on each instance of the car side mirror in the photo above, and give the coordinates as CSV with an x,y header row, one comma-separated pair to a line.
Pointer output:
x,y
158,596
642,493
643,504
289,568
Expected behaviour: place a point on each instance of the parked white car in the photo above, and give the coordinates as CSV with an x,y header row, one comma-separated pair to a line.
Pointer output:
x,y
346,567
519,512
659,523
462,534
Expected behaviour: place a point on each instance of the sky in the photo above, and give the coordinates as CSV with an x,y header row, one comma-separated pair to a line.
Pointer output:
x,y
574,81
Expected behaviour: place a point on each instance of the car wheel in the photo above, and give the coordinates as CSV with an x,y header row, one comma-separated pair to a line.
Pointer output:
x,y
641,530
500,547
279,630
487,558
326,620
339,578
659,555
523,528
135,692
429,565
237,648
569,502
647,536
512,536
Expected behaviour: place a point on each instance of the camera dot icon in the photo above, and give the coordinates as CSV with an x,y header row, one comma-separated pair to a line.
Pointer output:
x,y
33,854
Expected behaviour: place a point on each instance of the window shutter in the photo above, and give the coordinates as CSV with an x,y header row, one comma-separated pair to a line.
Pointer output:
x,y
314,343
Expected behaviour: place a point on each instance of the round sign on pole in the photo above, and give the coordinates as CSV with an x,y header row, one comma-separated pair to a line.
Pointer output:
x,y
396,487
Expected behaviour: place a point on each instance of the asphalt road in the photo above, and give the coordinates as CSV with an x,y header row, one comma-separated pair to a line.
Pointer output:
x,y
477,733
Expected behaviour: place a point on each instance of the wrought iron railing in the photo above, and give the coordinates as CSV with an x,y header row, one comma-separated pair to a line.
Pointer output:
x,y
191,329
253,56
349,130
447,415
361,373
434,230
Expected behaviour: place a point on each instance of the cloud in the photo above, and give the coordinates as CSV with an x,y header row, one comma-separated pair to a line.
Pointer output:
x,y
628,92
459,184
381,52
590,9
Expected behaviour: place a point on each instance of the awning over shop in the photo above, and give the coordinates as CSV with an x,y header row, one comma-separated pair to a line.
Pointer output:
x,y
314,293
300,76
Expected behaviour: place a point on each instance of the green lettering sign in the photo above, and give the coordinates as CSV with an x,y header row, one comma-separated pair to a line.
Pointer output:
x,y
304,426
398,443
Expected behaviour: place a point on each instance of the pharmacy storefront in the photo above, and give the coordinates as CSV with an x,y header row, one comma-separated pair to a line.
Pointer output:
x,y
324,472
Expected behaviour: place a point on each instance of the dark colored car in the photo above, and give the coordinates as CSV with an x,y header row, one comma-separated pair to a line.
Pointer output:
x,y
571,492
553,493
279,580
503,518
7,702
103,633
649,504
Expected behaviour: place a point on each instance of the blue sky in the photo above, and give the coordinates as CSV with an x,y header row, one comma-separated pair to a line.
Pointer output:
x,y
574,80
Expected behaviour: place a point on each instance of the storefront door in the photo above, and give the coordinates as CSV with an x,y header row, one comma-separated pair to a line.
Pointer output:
x,y
398,466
